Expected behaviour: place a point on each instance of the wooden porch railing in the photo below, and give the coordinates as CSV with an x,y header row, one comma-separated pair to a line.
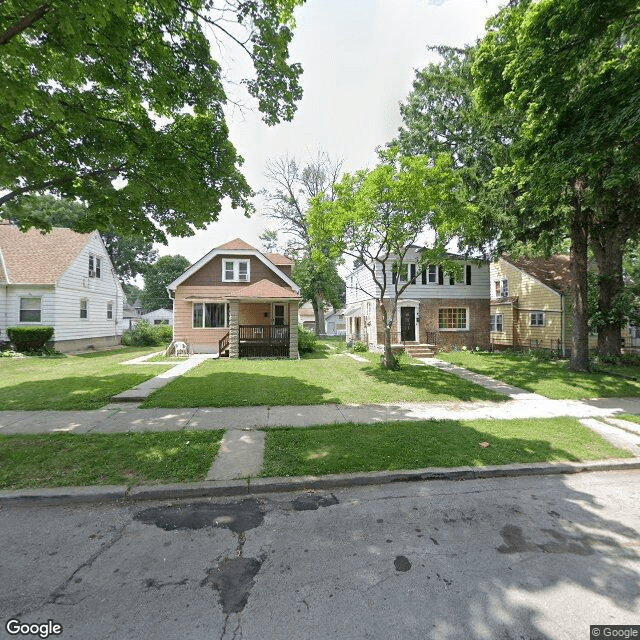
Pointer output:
x,y
223,344
264,341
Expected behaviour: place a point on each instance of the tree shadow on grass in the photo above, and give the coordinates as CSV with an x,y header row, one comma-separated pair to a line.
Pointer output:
x,y
234,389
436,382
522,372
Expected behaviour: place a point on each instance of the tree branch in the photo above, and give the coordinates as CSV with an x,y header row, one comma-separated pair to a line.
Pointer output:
x,y
24,23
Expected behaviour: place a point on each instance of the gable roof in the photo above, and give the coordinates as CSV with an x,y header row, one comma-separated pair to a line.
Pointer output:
x,y
265,289
278,258
236,243
33,257
554,271
238,248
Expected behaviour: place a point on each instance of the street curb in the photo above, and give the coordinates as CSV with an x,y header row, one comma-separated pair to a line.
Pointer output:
x,y
254,486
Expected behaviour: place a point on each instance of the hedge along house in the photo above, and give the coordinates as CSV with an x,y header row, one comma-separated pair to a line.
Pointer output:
x,y
60,279
239,302
436,309
531,303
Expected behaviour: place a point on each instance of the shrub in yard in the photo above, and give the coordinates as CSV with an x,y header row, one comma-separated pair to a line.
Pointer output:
x,y
360,346
307,340
29,338
147,335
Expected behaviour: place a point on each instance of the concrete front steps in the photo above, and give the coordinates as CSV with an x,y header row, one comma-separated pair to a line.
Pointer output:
x,y
416,350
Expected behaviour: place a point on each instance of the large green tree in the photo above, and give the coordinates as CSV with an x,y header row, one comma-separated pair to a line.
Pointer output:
x,y
129,255
120,104
570,71
156,278
378,214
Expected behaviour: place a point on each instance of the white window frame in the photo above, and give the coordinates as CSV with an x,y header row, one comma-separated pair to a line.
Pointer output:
x,y
236,269
20,310
202,326
109,310
501,288
537,319
496,320
466,318
86,308
432,274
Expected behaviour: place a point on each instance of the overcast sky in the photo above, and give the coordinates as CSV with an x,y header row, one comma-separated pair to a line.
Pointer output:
x,y
359,59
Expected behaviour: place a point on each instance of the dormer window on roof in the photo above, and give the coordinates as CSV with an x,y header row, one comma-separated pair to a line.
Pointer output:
x,y
235,271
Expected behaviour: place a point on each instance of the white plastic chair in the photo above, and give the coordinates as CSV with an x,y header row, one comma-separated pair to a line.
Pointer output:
x,y
182,349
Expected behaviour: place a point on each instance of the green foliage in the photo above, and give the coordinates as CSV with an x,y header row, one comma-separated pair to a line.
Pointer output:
x,y
319,279
122,107
26,339
132,292
360,347
147,335
156,278
307,340
130,255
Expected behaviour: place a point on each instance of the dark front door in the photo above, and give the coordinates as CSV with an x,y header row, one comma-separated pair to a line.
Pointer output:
x,y
407,323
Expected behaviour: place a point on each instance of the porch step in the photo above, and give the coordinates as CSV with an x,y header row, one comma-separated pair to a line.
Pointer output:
x,y
420,350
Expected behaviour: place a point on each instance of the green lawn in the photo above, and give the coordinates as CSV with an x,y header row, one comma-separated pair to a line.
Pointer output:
x,y
388,446
631,417
548,378
320,378
85,381
66,459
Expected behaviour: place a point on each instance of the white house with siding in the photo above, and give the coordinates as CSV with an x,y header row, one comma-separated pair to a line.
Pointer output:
x,y
60,279
450,310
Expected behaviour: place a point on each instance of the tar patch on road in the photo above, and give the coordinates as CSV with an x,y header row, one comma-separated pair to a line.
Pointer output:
x,y
515,542
313,501
233,578
401,563
236,516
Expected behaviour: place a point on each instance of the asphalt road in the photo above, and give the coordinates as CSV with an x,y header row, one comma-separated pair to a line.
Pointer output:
x,y
507,558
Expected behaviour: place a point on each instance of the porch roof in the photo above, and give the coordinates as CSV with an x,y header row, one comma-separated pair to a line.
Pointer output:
x,y
353,310
261,291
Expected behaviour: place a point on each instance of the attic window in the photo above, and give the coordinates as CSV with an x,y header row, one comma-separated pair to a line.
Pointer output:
x,y
94,267
235,271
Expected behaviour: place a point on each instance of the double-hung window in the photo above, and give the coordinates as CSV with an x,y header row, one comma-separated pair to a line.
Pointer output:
x,y
84,309
452,319
235,271
432,274
94,266
497,322
109,310
536,319
210,315
30,309
501,288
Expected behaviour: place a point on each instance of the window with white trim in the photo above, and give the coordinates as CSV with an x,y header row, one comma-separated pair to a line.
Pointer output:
x,y
30,309
210,315
501,288
235,270
84,309
497,322
536,319
452,319
94,266
109,310
432,274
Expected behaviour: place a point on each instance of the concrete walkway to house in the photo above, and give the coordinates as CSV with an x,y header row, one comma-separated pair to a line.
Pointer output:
x,y
145,389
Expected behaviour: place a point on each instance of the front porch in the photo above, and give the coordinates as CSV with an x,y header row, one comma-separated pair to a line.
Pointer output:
x,y
259,341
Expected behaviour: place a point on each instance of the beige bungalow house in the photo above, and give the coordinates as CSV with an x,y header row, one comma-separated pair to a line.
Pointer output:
x,y
237,301
531,303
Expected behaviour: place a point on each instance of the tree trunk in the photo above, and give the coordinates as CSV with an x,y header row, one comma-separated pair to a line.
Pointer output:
x,y
318,310
608,249
388,360
579,290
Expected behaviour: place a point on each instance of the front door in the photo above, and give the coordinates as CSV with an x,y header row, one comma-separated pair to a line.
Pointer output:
x,y
407,324
278,315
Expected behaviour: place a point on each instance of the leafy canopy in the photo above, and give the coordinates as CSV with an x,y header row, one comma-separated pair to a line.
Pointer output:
x,y
156,278
120,104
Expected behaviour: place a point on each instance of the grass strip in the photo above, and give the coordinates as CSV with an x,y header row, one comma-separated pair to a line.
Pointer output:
x,y
389,446
550,378
69,459
319,378
631,417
